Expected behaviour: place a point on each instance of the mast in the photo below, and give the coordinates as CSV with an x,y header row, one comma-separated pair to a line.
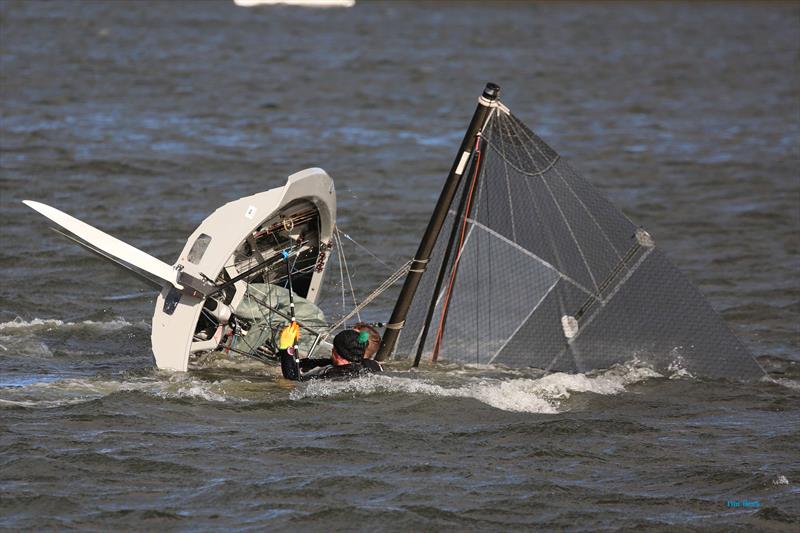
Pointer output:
x,y
420,262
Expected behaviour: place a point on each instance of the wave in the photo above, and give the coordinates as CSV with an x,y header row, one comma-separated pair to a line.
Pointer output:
x,y
544,395
47,392
18,324
222,381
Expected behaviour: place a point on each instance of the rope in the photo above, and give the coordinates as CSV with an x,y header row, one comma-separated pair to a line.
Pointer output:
x,y
391,280
341,273
349,238
294,351
349,278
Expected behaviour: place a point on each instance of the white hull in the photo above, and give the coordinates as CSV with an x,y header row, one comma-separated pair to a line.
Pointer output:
x,y
235,241
228,229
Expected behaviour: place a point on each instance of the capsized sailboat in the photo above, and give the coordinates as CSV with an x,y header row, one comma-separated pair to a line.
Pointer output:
x,y
526,264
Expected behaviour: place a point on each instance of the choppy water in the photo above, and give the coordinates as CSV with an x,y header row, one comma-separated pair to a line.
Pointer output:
x,y
142,118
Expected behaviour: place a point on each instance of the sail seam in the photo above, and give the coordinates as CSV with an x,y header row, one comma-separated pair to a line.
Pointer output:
x,y
533,255
582,204
596,223
563,216
508,190
546,169
611,295
616,289
524,321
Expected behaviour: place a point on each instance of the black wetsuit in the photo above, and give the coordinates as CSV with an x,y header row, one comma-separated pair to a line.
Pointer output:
x,y
324,368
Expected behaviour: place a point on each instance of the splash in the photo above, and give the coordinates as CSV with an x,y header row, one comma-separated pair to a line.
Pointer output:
x,y
544,395
780,480
677,368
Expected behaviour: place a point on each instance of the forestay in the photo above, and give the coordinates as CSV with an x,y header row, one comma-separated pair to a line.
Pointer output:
x,y
535,268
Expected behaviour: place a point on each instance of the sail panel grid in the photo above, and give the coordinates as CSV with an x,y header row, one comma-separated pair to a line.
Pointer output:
x,y
539,244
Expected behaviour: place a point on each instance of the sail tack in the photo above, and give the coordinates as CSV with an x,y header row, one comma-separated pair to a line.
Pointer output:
x,y
543,271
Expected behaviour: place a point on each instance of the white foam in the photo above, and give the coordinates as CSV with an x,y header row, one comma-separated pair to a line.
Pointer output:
x,y
41,403
783,382
542,395
52,323
52,393
780,480
36,322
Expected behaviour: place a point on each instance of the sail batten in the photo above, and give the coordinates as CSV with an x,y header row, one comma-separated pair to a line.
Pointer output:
x,y
548,273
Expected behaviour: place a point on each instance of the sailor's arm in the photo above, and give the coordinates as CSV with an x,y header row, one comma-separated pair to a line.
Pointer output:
x,y
289,367
286,344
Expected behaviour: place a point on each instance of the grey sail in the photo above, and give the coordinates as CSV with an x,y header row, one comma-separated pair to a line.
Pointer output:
x,y
543,271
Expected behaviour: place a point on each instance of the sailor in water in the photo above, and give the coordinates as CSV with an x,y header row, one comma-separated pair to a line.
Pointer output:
x,y
346,360
374,341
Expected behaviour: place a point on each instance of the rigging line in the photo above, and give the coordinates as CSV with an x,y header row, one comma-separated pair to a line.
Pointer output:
x,y
446,250
378,259
344,261
347,273
295,352
298,219
278,279
341,272
260,266
210,317
349,278
508,189
478,204
388,282
564,218
283,315
583,205
454,268
478,297
247,354
437,292
292,268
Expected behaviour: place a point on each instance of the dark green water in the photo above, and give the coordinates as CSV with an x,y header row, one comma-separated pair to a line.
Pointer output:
x,y
143,118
